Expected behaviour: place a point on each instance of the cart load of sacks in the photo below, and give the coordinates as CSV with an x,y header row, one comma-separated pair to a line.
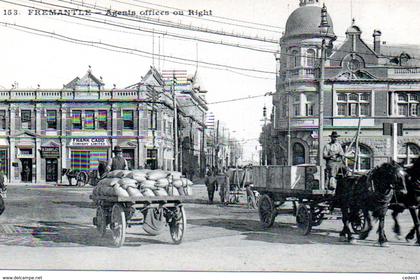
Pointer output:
x,y
143,182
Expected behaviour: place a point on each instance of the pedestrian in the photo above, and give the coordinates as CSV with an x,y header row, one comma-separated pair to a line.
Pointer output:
x,y
26,173
2,189
117,162
211,185
224,183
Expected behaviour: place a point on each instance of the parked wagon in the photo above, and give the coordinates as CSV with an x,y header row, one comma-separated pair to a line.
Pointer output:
x,y
121,212
239,186
300,184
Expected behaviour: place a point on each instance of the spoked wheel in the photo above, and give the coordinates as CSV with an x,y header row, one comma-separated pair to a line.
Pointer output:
x,y
358,222
304,219
153,221
317,217
267,211
118,225
82,179
100,220
178,225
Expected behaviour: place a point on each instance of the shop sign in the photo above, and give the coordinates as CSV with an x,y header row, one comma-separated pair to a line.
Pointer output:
x,y
90,142
50,152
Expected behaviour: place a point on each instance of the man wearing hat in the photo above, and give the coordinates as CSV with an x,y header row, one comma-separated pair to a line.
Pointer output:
x,y
117,162
333,154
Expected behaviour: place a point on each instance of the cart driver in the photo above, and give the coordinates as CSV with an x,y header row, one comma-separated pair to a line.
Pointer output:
x,y
333,154
117,162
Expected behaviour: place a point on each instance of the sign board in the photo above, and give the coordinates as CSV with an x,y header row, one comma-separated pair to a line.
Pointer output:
x,y
50,152
89,142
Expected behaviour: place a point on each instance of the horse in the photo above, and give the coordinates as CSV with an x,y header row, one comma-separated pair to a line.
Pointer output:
x,y
371,192
410,201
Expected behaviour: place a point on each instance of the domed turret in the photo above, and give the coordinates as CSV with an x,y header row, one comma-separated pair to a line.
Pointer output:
x,y
306,20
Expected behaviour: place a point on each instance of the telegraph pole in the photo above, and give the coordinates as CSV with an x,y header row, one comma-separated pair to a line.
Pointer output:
x,y
176,161
265,135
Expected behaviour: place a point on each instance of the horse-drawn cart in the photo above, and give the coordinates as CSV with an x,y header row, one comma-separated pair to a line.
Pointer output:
x,y
122,212
239,186
312,203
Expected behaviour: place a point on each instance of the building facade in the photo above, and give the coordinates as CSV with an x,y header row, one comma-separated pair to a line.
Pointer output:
x,y
43,131
375,84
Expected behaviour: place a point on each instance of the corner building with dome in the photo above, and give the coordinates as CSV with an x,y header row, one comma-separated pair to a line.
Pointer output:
x,y
373,82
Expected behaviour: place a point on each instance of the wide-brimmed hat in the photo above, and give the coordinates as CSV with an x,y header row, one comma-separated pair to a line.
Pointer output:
x,y
334,134
117,149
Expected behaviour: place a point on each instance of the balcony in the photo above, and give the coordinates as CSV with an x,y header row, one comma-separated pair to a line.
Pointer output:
x,y
302,73
404,73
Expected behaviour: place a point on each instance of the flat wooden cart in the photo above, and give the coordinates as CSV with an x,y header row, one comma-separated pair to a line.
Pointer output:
x,y
312,203
120,213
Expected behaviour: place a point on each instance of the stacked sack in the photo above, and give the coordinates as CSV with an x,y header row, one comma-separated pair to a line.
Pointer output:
x,y
143,183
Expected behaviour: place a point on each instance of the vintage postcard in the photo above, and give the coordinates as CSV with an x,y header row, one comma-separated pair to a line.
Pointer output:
x,y
208,136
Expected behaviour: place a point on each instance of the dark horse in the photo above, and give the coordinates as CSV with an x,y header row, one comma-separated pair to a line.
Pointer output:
x,y
409,200
371,192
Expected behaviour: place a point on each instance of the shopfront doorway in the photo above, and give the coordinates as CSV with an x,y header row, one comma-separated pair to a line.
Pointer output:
x,y
26,172
51,170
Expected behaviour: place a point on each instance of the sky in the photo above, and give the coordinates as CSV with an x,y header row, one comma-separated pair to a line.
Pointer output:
x,y
29,59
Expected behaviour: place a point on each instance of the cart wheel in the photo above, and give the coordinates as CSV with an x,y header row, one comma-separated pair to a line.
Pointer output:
x,y
153,221
304,219
178,225
118,225
267,211
358,222
100,221
82,178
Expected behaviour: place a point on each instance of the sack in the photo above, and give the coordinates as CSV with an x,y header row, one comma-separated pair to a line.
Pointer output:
x,y
156,175
123,173
134,192
181,191
186,182
120,192
127,181
114,174
106,191
147,192
172,191
175,175
177,183
160,192
162,183
138,176
148,184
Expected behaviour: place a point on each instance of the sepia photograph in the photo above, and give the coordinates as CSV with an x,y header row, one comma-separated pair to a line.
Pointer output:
x,y
209,138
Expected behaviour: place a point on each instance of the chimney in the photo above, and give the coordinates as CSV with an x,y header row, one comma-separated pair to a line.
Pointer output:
x,y
377,41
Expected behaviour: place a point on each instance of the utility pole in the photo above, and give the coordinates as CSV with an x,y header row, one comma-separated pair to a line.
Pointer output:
x,y
289,135
217,146
265,135
176,161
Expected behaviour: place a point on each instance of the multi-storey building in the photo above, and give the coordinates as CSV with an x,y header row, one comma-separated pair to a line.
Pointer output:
x,y
43,131
375,83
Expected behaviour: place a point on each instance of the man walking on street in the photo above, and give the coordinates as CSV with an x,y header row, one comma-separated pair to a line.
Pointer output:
x,y
210,182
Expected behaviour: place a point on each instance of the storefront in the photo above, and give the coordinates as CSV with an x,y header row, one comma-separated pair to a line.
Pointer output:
x,y
86,153
51,156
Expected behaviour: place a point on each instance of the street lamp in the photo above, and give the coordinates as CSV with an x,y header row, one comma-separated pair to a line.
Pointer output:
x,y
324,28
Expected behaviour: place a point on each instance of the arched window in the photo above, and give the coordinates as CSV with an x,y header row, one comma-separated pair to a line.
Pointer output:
x,y
298,154
310,58
408,153
295,58
364,157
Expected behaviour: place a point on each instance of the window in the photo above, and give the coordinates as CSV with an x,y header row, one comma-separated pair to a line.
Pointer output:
x,y
309,105
408,153
2,119
310,56
128,118
364,158
25,118
296,109
295,59
408,104
76,119
89,119
51,119
3,161
353,104
151,159
152,119
298,154
80,160
102,119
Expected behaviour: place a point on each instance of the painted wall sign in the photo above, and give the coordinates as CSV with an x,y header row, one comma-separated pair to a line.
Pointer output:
x,y
50,152
89,142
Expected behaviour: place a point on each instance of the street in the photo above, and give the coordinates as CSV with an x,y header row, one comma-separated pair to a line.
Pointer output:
x,y
50,228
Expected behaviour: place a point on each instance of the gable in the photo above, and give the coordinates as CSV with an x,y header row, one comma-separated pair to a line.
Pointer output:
x,y
356,75
353,46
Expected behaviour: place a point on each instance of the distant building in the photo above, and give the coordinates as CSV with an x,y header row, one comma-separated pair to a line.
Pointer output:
x,y
43,131
377,83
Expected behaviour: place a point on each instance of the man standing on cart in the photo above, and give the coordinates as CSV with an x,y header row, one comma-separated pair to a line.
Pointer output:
x,y
333,154
117,162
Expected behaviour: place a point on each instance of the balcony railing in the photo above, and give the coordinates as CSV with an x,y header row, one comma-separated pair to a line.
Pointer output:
x,y
404,73
70,95
302,73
